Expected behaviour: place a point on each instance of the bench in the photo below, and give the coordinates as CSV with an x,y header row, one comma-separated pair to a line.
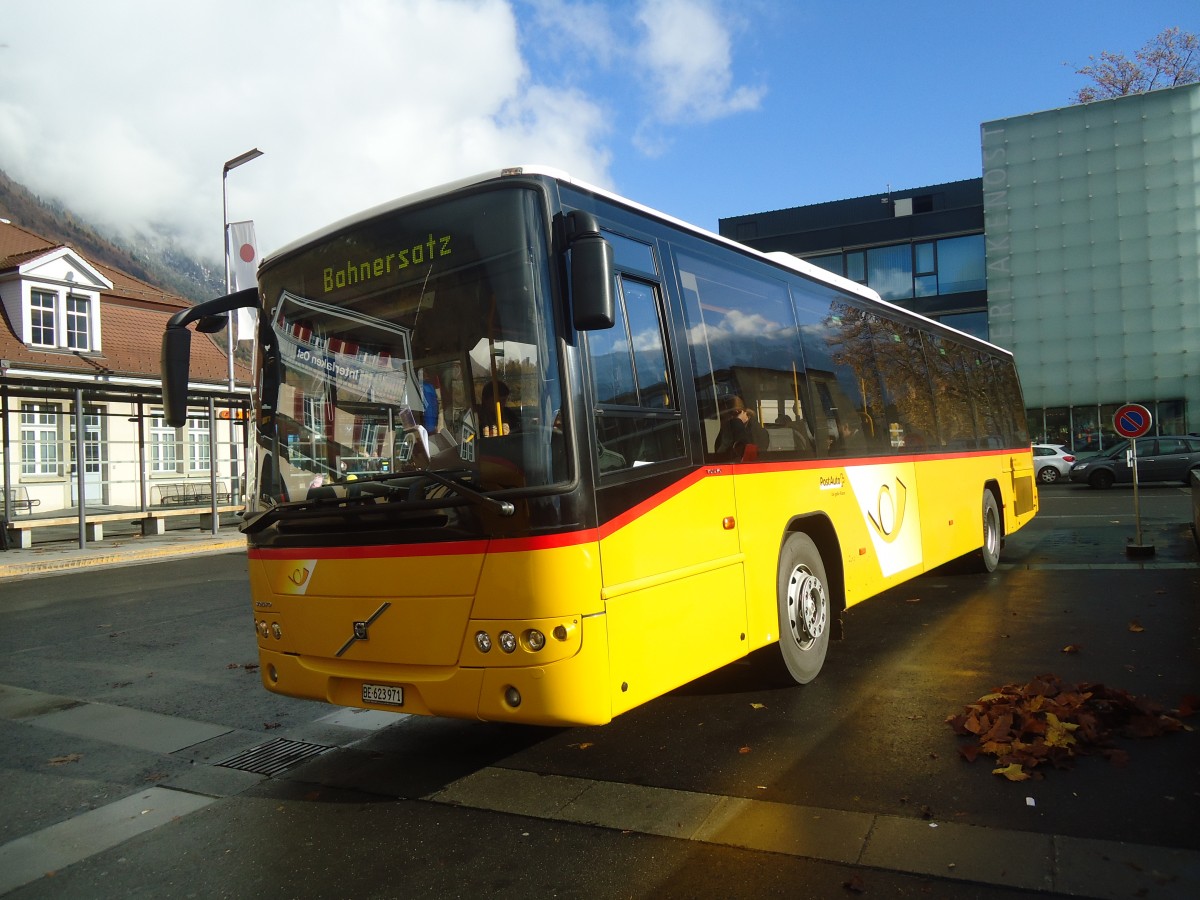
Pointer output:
x,y
18,499
151,522
188,493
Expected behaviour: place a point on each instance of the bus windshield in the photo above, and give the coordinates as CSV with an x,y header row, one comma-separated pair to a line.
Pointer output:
x,y
418,341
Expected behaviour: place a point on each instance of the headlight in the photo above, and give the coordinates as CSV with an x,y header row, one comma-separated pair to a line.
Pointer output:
x,y
535,640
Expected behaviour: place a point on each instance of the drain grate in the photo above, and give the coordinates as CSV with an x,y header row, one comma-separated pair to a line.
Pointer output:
x,y
274,756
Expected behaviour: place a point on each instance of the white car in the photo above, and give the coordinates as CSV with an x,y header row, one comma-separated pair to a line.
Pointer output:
x,y
1052,462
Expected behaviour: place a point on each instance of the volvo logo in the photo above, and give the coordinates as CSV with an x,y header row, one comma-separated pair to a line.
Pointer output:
x,y
361,629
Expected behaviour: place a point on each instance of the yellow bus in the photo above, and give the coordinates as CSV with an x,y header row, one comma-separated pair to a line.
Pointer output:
x,y
527,451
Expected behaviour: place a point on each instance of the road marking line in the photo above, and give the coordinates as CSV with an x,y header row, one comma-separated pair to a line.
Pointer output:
x,y
996,856
31,857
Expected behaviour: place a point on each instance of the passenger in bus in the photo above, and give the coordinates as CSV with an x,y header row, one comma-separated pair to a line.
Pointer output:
x,y
740,430
802,439
510,418
429,397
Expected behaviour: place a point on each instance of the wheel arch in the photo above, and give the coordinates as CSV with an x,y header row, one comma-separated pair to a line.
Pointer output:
x,y
822,533
993,487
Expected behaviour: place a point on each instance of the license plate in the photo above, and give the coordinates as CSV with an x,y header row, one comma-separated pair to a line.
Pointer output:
x,y
383,694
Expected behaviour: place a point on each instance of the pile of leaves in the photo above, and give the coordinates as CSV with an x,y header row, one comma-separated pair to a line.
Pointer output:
x,y
1047,723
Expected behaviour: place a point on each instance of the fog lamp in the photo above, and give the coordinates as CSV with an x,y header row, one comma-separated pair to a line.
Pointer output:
x,y
483,641
508,641
276,631
534,640
261,628
512,696
560,632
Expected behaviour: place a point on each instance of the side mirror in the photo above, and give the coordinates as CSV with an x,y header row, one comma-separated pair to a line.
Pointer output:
x,y
176,359
177,347
592,299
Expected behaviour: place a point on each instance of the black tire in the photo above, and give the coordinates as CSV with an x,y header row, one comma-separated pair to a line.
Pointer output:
x,y
1102,479
804,609
1048,475
989,553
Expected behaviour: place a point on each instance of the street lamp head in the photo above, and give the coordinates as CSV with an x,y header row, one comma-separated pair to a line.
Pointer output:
x,y
242,159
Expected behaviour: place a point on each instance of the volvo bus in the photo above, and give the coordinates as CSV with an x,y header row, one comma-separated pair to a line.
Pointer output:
x,y
527,451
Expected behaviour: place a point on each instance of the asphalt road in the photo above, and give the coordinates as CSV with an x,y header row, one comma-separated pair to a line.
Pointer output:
x,y
141,758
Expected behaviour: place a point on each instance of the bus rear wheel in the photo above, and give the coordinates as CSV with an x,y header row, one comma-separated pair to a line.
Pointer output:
x,y
804,613
990,551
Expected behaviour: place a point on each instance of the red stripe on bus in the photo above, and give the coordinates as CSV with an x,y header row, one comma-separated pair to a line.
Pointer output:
x,y
593,535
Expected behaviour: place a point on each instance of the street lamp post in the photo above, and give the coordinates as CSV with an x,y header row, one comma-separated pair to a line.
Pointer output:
x,y
239,160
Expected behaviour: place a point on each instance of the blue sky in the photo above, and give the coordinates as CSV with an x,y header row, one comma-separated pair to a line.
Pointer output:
x,y
126,110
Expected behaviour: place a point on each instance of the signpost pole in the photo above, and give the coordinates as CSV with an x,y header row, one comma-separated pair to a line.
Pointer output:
x,y
1132,421
1137,512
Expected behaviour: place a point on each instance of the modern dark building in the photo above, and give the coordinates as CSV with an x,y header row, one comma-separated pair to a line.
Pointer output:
x,y
920,248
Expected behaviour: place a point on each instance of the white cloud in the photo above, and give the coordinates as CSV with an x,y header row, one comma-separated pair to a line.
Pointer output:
x,y
687,49
126,110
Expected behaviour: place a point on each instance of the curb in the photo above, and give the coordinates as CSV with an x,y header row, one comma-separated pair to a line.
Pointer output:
x,y
117,557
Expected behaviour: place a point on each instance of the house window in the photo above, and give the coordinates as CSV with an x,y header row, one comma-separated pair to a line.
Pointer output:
x,y
199,459
41,318
41,440
78,323
163,446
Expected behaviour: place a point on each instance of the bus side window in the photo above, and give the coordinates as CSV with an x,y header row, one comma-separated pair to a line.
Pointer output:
x,y
637,418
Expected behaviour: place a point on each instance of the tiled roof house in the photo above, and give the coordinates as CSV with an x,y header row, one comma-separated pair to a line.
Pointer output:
x,y
105,326
76,333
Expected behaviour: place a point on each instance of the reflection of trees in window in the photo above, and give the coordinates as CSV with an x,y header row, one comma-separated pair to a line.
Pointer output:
x,y
911,423
988,410
1016,427
847,337
949,369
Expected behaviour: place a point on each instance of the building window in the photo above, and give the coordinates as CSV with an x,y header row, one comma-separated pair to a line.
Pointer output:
x,y
889,271
41,440
856,266
961,265
973,323
78,323
42,306
925,281
920,269
163,446
199,459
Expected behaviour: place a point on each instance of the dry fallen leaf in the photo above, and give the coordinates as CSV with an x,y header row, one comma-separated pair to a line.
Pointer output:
x,y
743,749
64,760
1072,648
1048,723
758,706
1135,626
1012,772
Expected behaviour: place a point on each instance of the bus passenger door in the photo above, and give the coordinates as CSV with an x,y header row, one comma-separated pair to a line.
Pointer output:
x,y
673,584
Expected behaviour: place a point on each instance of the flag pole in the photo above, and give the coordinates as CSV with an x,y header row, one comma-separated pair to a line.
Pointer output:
x,y
240,160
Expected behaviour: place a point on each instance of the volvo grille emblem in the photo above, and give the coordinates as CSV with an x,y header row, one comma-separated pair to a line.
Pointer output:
x,y
361,628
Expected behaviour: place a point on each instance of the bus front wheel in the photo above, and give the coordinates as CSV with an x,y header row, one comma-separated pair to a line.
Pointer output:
x,y
804,613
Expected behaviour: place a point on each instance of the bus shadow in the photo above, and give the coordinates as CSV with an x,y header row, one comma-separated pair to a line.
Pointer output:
x,y
411,759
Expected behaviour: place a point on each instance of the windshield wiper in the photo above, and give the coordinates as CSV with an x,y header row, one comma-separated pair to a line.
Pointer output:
x,y
352,495
502,507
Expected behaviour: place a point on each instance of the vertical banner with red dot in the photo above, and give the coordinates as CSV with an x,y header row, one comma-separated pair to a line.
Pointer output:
x,y
242,253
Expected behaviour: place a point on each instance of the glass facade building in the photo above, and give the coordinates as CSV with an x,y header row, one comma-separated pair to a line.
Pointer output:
x,y
1092,217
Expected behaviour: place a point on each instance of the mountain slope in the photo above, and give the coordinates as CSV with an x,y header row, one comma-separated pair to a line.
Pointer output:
x,y
165,265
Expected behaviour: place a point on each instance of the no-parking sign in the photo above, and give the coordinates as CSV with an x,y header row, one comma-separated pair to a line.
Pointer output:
x,y
1132,420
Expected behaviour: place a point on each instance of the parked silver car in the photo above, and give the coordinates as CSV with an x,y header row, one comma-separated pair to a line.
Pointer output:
x,y
1163,458
1052,462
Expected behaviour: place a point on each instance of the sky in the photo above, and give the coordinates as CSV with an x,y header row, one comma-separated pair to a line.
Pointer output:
x,y
125,111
